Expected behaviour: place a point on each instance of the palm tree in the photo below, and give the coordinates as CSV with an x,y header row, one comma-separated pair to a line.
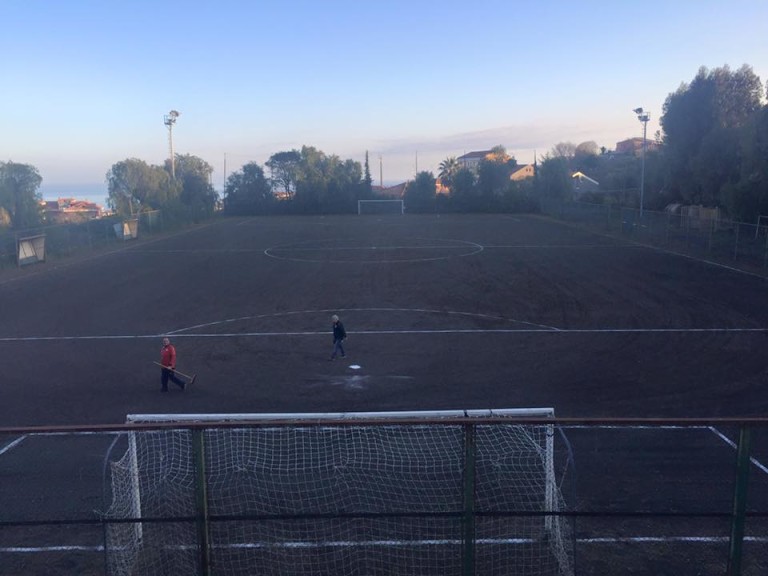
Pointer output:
x,y
448,169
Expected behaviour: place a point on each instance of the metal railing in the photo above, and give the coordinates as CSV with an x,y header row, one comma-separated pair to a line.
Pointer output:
x,y
662,496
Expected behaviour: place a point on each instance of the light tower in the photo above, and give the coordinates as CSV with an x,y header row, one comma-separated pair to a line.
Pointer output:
x,y
169,120
643,116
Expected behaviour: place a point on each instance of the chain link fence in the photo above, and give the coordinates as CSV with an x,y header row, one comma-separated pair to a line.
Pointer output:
x,y
682,497
66,240
690,230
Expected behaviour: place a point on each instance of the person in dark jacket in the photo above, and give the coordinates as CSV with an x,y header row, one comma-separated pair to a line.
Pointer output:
x,y
339,334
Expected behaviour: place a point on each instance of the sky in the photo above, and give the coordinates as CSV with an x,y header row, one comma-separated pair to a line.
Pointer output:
x,y
87,83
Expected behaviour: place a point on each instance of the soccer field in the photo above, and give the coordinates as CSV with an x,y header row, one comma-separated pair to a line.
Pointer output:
x,y
442,312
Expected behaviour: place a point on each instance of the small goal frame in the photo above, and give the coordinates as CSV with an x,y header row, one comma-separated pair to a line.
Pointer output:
x,y
30,250
127,229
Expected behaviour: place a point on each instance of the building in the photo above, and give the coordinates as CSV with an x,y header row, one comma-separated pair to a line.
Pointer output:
x,y
69,210
396,192
634,146
471,160
523,172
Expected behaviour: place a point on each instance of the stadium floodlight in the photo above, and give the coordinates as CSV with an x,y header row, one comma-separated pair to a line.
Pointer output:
x,y
169,120
644,117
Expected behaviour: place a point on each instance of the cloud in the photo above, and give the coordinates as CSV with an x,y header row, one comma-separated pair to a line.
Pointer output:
x,y
528,137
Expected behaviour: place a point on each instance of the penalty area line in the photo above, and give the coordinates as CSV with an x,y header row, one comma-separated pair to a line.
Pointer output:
x,y
548,330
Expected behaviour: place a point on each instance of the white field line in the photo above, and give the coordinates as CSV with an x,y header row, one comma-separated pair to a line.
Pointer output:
x,y
543,330
16,443
732,444
12,445
465,244
400,543
712,429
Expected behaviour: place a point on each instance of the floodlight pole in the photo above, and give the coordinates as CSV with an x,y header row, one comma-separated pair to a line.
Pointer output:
x,y
169,120
644,117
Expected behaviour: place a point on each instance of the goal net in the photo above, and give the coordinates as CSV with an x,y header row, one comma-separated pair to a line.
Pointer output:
x,y
30,250
127,230
380,207
428,493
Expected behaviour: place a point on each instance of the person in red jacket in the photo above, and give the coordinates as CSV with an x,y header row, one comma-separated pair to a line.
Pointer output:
x,y
168,361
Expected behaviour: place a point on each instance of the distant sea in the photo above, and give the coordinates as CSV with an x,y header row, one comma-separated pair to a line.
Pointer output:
x,y
96,193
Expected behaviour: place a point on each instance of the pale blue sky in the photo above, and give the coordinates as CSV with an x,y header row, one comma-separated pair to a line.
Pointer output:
x,y
86,83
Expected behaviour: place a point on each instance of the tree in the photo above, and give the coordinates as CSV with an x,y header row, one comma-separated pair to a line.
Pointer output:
x,y
134,185
585,157
197,192
554,178
748,197
343,185
420,194
284,167
248,191
326,183
701,120
464,195
564,150
499,154
367,186
448,170
19,196
493,174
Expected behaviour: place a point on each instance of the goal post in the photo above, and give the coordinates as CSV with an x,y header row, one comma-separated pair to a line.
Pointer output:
x,y
127,229
380,207
30,250
316,493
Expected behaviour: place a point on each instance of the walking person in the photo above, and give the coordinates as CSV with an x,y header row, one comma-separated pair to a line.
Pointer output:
x,y
339,334
168,367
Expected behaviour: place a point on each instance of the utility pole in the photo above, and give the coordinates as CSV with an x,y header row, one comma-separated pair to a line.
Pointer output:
x,y
169,120
381,172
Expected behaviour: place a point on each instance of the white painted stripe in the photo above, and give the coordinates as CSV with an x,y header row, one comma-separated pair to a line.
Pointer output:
x,y
462,246
633,427
667,539
401,543
344,310
12,445
393,332
47,549
561,246
733,444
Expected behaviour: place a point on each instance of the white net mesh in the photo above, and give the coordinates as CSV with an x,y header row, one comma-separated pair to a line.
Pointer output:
x,y
368,498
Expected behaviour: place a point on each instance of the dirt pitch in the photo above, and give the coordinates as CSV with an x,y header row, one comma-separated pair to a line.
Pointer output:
x,y
442,312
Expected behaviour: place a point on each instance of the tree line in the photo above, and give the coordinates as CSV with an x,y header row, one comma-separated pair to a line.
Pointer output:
x,y
712,151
